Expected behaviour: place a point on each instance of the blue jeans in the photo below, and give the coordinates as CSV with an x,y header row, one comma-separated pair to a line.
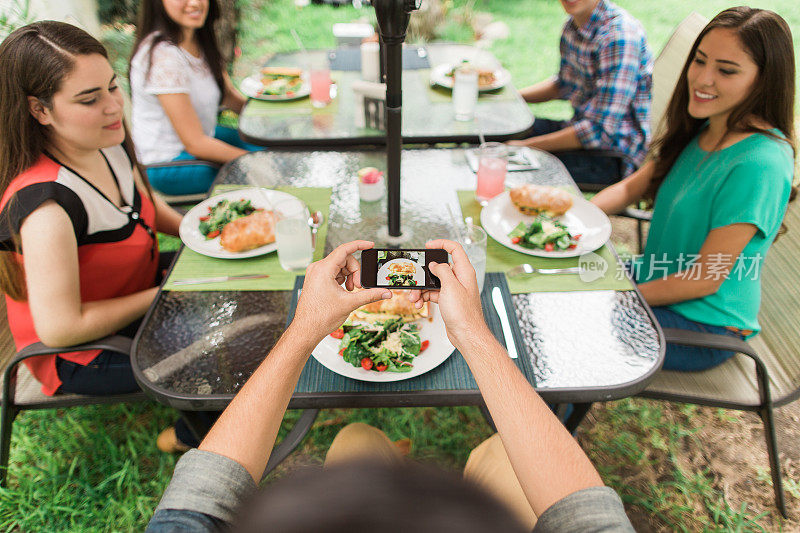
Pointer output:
x,y
193,179
598,170
691,358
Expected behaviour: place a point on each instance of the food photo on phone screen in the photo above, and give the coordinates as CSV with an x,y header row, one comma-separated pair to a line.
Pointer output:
x,y
400,268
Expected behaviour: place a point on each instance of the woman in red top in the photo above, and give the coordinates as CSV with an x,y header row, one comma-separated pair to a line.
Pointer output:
x,y
77,220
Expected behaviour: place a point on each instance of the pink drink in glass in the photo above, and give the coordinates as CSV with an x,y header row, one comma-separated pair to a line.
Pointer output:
x,y
491,172
320,87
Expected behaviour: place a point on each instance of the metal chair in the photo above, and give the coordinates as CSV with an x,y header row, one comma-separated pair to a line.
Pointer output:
x,y
21,391
765,373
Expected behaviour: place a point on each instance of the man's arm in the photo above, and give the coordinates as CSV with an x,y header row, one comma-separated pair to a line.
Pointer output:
x,y
544,91
323,306
244,434
548,462
557,141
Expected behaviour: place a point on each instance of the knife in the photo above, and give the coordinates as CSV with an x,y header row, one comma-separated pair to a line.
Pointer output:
x,y
217,279
500,307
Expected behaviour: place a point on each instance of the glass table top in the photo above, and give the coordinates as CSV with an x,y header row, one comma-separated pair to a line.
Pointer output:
x,y
594,345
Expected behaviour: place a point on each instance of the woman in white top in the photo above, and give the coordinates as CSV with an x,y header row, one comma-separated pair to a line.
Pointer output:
x,y
178,83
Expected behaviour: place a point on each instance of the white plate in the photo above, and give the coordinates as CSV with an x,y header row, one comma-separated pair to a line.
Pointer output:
x,y
261,198
439,76
251,87
439,349
500,216
419,275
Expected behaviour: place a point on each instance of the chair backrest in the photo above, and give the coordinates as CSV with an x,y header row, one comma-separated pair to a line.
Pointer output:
x,y
669,63
780,299
7,347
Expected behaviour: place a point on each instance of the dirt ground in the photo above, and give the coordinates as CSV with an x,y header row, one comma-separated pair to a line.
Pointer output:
x,y
733,450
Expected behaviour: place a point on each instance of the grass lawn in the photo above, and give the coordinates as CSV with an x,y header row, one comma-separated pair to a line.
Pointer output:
x,y
97,468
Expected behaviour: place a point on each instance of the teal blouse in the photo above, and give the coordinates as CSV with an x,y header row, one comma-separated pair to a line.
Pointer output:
x,y
748,182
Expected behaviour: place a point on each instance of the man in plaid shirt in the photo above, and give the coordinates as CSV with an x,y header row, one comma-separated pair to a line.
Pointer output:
x,y
606,74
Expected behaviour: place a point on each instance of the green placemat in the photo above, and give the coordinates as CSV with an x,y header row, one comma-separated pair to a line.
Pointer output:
x,y
302,106
501,259
190,264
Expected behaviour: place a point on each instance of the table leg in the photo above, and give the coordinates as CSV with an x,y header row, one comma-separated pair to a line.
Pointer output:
x,y
487,416
198,422
577,416
292,440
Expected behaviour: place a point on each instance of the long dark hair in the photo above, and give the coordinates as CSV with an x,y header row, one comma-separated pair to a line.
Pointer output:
x,y
34,60
153,18
767,38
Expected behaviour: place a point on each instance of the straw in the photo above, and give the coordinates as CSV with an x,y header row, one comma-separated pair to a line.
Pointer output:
x,y
459,228
298,41
481,138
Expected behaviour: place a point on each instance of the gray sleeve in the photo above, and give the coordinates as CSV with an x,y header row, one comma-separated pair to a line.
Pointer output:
x,y
592,510
207,483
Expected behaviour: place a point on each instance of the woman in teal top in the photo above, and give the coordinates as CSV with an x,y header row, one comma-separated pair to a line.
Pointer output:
x,y
721,177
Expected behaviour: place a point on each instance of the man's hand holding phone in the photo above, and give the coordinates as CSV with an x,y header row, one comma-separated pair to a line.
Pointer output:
x,y
458,299
324,304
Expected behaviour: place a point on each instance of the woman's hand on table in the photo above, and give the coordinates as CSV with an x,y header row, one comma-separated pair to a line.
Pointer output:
x,y
459,300
324,304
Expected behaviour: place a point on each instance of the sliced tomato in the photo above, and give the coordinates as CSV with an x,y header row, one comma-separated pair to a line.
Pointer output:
x,y
573,246
548,247
289,93
341,352
212,234
515,240
576,237
203,219
424,346
367,363
380,367
338,334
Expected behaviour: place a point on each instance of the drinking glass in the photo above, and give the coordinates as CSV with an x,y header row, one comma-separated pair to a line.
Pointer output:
x,y
465,93
320,79
492,166
473,240
293,235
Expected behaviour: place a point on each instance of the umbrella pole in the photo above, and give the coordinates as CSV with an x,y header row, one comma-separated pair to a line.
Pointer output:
x,y
394,134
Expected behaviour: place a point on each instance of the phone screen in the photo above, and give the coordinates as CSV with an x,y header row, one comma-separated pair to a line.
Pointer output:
x,y
400,269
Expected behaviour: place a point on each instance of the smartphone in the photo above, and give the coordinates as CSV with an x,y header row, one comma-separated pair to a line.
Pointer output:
x,y
400,269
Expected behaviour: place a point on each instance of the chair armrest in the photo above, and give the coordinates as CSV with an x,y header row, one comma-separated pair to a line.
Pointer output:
x,y
636,214
708,340
117,343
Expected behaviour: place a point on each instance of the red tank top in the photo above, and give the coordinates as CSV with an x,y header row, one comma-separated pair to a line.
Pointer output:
x,y
116,253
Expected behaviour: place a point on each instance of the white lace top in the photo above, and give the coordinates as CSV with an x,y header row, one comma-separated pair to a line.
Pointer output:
x,y
173,71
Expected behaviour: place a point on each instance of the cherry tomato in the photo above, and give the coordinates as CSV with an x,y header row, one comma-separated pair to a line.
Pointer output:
x,y
424,346
515,240
341,352
380,367
203,219
338,334
212,234
366,363
548,247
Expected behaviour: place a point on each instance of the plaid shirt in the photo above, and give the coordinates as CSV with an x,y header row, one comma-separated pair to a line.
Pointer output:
x,y
606,74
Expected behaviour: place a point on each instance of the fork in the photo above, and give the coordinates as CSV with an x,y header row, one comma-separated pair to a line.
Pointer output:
x,y
525,268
